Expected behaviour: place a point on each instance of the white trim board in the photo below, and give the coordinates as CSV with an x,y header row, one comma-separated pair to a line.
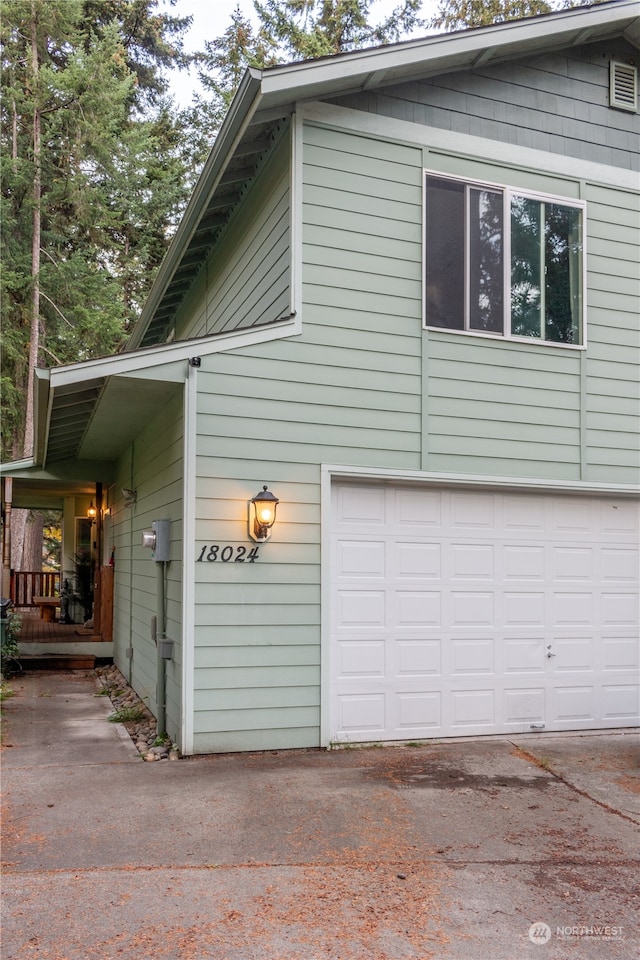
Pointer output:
x,y
437,141
532,484
188,559
123,364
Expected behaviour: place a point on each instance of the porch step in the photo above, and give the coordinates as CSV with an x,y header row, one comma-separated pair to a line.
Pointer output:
x,y
58,661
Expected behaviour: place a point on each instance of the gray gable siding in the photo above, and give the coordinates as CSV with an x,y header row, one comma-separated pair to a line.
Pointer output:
x,y
558,103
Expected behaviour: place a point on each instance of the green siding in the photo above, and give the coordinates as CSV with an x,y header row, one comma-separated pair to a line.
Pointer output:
x,y
153,467
612,409
365,385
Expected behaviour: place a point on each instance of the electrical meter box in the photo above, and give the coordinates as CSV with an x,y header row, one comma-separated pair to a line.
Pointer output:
x,y
158,539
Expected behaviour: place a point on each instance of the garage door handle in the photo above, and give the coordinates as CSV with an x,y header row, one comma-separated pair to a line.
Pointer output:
x,y
549,654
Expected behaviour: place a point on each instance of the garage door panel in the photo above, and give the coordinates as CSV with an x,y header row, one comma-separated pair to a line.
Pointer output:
x,y
357,608
362,506
574,704
620,702
472,656
572,609
363,714
524,706
418,658
620,565
413,559
526,562
472,561
572,654
472,607
619,608
524,516
417,608
620,653
620,519
417,712
363,558
458,612
472,709
522,609
573,564
362,658
471,511
415,509
524,655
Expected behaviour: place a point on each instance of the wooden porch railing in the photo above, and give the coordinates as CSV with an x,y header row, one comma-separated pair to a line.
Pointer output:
x,y
27,584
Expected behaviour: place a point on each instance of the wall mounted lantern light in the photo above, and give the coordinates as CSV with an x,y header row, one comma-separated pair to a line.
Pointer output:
x,y
262,515
92,512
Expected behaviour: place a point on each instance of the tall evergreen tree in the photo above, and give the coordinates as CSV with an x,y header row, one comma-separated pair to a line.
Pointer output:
x,y
91,185
304,29
220,67
463,14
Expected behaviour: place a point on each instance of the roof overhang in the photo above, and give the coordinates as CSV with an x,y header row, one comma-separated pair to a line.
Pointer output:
x,y
87,414
265,97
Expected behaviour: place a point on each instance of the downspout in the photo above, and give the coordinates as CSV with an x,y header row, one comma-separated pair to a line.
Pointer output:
x,y
161,663
131,509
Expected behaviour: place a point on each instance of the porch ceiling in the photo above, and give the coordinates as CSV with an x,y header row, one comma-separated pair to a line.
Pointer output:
x,y
48,494
125,407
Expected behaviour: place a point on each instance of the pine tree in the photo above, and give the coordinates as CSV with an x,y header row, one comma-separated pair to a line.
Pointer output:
x,y
91,185
463,14
305,29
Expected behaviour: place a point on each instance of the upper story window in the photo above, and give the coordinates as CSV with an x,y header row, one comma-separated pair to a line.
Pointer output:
x,y
503,262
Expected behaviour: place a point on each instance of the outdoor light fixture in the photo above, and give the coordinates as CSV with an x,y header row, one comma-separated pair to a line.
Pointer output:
x,y
92,512
262,515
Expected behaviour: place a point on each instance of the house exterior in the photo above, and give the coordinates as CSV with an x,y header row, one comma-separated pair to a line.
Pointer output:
x,y
404,296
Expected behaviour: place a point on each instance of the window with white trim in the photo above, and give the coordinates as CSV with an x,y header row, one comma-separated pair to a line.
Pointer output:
x,y
503,262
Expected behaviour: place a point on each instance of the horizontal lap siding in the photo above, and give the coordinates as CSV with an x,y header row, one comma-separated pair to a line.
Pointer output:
x,y
154,468
503,409
613,357
347,390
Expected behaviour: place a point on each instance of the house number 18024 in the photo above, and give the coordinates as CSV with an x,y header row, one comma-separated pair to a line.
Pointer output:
x,y
213,552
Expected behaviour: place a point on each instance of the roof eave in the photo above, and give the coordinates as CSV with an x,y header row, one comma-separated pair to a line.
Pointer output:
x,y
243,107
570,26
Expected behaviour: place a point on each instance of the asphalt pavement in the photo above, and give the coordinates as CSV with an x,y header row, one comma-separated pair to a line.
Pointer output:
x,y
504,848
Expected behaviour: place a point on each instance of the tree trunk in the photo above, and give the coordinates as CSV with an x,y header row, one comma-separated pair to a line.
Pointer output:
x,y
34,342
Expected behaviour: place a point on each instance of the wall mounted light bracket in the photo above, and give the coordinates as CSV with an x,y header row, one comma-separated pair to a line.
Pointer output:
x,y
262,515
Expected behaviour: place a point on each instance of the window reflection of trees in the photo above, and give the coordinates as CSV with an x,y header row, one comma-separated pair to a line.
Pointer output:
x,y
546,243
486,275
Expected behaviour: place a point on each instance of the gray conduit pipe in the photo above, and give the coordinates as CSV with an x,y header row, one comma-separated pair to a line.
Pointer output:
x,y
161,676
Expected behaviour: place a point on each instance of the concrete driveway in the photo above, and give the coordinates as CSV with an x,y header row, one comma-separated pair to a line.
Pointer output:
x,y
502,848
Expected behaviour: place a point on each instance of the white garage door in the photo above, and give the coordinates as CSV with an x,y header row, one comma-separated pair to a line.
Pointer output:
x,y
459,612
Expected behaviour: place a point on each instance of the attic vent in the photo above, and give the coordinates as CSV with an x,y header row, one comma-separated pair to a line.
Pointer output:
x,y
623,86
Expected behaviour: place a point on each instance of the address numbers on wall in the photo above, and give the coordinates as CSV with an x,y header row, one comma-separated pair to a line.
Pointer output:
x,y
227,554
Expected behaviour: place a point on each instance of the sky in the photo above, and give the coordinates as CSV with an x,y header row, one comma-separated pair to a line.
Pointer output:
x,y
211,18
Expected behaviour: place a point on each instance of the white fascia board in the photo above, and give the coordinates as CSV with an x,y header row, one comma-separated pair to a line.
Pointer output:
x,y
516,484
144,361
240,114
12,467
190,410
438,140
555,29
